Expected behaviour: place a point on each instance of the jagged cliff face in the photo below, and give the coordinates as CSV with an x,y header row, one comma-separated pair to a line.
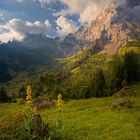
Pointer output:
x,y
113,28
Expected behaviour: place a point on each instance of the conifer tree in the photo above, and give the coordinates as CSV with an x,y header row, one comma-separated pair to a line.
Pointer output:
x,y
132,67
3,95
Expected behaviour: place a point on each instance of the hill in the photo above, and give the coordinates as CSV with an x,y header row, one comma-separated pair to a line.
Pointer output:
x,y
34,53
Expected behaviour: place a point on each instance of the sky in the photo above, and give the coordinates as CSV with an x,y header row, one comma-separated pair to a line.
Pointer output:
x,y
50,17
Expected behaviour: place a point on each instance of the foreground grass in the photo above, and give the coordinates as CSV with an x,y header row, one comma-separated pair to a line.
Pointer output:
x,y
92,119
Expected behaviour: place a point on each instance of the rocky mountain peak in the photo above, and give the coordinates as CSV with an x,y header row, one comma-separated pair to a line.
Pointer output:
x,y
114,27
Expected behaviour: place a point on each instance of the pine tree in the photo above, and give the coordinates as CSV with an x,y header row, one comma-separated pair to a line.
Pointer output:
x,y
117,73
22,92
98,83
132,67
3,95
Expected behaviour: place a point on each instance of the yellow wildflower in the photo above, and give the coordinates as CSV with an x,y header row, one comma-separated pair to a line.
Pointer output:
x,y
59,101
28,92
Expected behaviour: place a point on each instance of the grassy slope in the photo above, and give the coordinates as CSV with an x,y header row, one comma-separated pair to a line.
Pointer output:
x,y
92,119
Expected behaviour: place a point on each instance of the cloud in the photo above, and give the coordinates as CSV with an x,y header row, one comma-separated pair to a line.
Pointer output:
x,y
20,1
89,14
18,29
7,36
26,27
14,1
1,17
87,10
65,26
45,2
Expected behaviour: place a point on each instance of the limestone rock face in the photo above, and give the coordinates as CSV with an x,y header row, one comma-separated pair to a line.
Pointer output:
x,y
114,27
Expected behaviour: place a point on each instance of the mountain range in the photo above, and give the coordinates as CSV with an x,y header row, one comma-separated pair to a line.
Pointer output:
x,y
115,26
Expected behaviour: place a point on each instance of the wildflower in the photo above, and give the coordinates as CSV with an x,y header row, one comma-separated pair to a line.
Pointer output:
x,y
28,92
59,101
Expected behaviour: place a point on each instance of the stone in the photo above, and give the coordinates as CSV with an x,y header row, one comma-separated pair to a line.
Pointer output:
x,y
44,104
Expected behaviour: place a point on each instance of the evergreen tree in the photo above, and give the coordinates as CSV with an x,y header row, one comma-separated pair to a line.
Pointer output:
x,y
117,73
37,89
98,83
4,74
132,67
22,92
3,95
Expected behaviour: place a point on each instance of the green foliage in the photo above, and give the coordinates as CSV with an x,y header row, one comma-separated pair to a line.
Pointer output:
x,y
56,133
126,69
86,119
117,73
92,119
132,67
33,124
3,95
4,73
45,85
98,84
22,92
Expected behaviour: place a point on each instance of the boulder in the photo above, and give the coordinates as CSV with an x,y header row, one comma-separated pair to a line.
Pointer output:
x,y
44,104
126,92
121,103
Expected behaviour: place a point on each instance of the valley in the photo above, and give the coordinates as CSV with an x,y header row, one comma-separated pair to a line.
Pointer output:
x,y
75,76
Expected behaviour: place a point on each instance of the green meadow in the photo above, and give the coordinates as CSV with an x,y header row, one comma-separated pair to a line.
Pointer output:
x,y
87,119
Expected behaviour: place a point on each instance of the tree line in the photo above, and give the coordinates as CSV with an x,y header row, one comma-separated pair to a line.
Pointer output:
x,y
124,70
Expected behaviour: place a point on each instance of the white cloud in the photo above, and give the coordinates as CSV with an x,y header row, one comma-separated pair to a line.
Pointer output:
x,y
26,27
45,2
17,29
65,26
8,36
1,17
89,14
86,9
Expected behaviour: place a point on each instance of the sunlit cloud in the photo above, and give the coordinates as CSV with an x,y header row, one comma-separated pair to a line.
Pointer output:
x,y
86,9
18,29
65,26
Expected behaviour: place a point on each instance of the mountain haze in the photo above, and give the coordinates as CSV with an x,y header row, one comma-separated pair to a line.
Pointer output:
x,y
34,53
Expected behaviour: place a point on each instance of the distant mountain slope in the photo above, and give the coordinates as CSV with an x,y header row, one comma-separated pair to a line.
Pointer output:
x,y
33,53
